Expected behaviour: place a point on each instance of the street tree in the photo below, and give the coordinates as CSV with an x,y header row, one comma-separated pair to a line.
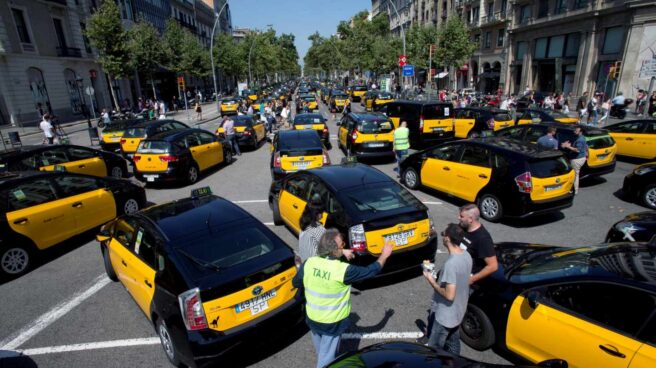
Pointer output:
x,y
418,41
454,45
229,56
106,34
144,46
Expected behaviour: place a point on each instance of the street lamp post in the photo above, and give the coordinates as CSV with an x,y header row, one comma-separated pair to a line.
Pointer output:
x,y
250,75
216,22
80,86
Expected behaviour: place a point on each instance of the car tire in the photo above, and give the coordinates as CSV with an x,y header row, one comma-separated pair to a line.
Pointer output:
x,y
109,269
167,342
491,208
116,172
192,174
227,157
277,219
476,329
411,178
649,196
101,124
15,260
129,206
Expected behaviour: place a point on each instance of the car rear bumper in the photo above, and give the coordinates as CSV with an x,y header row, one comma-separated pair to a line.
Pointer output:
x,y
401,260
588,171
361,150
172,174
437,137
110,147
526,207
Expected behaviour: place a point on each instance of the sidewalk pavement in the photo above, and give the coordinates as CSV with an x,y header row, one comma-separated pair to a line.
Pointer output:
x,y
209,114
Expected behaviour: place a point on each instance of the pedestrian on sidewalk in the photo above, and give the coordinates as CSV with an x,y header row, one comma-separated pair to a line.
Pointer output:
x,y
578,154
401,145
199,111
605,110
326,281
581,106
48,130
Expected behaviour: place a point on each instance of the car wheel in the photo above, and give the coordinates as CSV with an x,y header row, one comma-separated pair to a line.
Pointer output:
x,y
130,206
15,260
490,207
476,329
101,124
116,172
167,342
109,269
649,196
227,157
277,220
411,178
192,174
473,135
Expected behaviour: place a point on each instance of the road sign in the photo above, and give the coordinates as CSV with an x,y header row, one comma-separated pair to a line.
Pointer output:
x,y
408,71
89,90
402,60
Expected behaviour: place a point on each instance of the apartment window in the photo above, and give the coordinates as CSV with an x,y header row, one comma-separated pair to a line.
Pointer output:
x,y
543,8
522,46
87,45
613,40
475,14
488,41
490,10
541,48
580,4
556,45
477,39
21,26
500,37
525,14
561,6
59,30
572,46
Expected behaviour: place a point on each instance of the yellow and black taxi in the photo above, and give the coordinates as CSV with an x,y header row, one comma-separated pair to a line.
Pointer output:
x,y
601,146
314,122
306,100
364,204
259,102
229,105
179,155
530,116
591,306
636,138
294,150
639,226
42,209
377,100
337,100
367,99
504,177
472,122
206,274
110,137
138,132
641,184
77,159
249,94
366,135
357,92
249,132
429,122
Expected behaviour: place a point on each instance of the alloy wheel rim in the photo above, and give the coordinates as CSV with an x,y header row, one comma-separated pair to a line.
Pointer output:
x,y
131,206
650,197
410,178
117,172
166,341
193,174
471,326
15,261
490,207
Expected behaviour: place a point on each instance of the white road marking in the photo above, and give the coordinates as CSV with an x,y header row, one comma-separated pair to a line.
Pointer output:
x,y
252,201
268,223
430,202
30,330
155,341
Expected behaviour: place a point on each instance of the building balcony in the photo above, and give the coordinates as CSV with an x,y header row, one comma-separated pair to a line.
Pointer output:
x,y
498,17
60,2
69,52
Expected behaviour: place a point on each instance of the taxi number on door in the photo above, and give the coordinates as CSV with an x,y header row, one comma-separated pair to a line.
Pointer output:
x,y
258,304
400,238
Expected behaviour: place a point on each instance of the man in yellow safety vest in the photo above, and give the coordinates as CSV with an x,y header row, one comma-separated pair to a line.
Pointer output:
x,y
326,280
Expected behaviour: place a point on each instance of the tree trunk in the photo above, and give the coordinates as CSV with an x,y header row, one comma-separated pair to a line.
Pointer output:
x,y
152,83
111,90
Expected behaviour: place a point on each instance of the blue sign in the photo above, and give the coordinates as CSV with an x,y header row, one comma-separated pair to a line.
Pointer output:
x,y
409,71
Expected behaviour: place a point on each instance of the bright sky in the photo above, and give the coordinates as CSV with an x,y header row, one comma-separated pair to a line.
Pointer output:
x,y
299,17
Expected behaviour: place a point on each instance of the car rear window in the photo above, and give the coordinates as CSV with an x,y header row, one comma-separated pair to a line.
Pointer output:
x,y
381,197
437,112
134,132
375,126
309,119
550,167
154,147
115,127
601,140
502,116
305,142
385,96
243,122
360,88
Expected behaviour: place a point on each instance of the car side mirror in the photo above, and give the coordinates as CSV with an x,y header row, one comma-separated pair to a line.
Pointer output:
x,y
554,363
103,236
533,296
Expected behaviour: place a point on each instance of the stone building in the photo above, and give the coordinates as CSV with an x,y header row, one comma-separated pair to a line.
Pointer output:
x,y
46,64
403,7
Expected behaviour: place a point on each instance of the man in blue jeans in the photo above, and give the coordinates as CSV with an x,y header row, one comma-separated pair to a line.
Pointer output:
x,y
231,136
401,145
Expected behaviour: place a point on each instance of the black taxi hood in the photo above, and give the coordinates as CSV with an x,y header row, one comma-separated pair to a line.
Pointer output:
x,y
509,253
641,217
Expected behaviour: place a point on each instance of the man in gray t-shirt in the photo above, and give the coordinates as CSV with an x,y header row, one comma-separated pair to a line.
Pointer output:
x,y
451,292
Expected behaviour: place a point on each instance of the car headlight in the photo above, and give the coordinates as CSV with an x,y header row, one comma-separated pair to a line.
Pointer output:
x,y
628,229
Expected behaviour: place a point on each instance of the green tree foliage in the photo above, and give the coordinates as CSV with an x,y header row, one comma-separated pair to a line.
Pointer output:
x,y
173,39
106,34
183,51
454,46
230,57
418,41
145,50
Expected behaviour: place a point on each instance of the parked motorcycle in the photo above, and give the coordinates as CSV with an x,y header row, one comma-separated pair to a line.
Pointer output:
x,y
619,111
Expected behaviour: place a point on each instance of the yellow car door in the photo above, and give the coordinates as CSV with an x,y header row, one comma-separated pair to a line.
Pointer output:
x,y
291,201
574,326
471,173
35,212
627,136
90,202
463,122
648,140
438,169
141,261
646,356
198,152
260,130
213,148
86,161
342,134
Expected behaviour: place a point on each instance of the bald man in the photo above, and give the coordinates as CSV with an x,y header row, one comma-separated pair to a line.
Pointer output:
x,y
478,243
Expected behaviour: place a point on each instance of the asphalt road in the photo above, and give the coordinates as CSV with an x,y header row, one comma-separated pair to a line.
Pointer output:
x,y
65,313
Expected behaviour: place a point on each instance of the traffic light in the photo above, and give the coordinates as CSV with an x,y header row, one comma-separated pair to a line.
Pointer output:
x,y
614,71
181,83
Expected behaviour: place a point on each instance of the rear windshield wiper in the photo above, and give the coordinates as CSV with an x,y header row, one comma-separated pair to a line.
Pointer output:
x,y
200,262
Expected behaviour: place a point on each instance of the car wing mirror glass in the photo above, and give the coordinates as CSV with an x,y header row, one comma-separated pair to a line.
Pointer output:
x,y
533,297
103,236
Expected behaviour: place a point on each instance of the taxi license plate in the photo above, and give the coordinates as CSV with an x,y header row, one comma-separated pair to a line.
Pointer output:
x,y
438,129
549,188
601,157
151,178
256,305
301,164
400,238
376,144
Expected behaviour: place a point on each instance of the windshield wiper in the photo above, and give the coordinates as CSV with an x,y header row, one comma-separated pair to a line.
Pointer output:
x,y
372,208
200,262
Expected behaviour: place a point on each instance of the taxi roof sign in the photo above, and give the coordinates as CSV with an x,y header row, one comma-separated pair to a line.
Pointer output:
x,y
60,168
201,192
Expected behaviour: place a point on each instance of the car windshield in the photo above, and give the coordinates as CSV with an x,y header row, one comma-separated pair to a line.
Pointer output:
x,y
134,132
375,126
540,265
381,197
360,88
385,96
550,167
307,98
153,147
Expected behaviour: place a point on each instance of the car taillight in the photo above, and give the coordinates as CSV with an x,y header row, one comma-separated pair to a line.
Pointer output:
x,y
192,311
247,132
431,226
421,122
168,158
490,123
123,140
276,160
524,182
357,238
354,135
326,159
136,158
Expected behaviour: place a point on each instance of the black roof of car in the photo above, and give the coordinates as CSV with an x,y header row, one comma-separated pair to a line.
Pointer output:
x,y
514,146
344,176
298,139
421,103
152,123
368,116
24,150
172,135
558,125
309,116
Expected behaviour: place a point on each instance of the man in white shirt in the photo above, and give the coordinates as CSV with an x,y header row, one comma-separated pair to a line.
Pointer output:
x,y
47,129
